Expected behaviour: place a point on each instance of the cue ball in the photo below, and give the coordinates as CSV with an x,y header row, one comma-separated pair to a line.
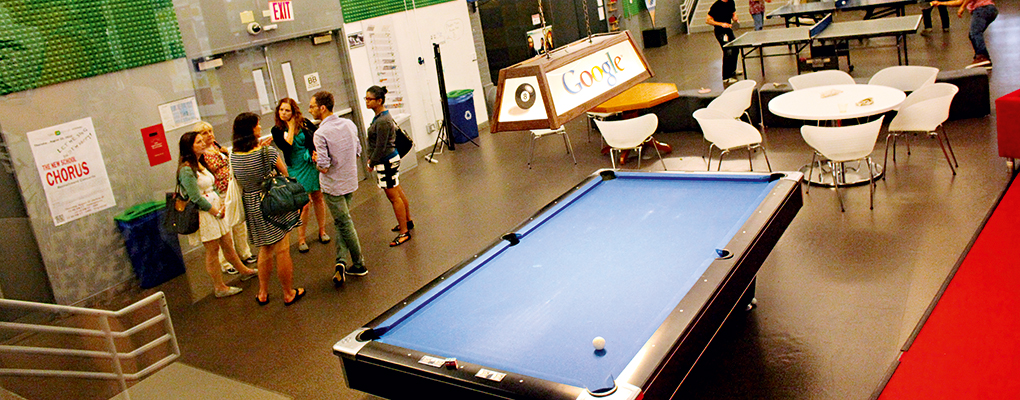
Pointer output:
x,y
525,96
599,343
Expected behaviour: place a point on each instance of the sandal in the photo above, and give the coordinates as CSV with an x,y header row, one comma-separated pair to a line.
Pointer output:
x,y
302,247
410,225
298,294
262,303
324,238
400,239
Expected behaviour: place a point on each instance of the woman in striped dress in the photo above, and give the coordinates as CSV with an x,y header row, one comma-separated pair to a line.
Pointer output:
x,y
252,164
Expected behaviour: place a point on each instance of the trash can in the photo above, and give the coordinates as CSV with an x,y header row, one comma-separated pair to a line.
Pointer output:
x,y
155,255
462,115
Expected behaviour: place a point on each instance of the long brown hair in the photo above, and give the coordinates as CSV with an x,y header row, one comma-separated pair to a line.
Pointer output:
x,y
187,152
295,112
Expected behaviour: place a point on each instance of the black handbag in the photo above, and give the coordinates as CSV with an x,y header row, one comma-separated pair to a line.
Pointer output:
x,y
403,142
181,213
281,194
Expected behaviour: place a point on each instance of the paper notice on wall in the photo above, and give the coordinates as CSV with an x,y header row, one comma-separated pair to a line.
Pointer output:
x,y
180,113
312,81
72,170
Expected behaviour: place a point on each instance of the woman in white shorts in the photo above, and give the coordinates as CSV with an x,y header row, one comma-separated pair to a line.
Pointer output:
x,y
198,184
384,160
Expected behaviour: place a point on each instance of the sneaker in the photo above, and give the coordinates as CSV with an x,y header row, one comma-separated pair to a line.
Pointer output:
x,y
338,275
231,290
228,269
357,270
251,260
980,61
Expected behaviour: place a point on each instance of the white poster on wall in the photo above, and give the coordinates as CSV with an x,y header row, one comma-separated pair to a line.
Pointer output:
x,y
179,113
72,170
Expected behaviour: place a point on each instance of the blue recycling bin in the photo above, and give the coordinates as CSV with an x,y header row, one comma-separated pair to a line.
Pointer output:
x,y
462,115
155,255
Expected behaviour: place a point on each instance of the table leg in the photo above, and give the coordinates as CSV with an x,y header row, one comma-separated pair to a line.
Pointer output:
x,y
905,60
847,176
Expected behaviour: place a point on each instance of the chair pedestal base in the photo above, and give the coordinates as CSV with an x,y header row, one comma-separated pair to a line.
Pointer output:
x,y
849,177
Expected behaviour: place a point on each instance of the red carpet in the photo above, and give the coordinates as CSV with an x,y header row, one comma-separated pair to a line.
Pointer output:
x,y
969,348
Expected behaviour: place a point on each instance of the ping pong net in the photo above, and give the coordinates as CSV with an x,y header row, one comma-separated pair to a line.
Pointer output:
x,y
820,26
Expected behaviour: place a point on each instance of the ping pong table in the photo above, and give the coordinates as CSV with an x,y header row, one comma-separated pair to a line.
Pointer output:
x,y
817,10
825,31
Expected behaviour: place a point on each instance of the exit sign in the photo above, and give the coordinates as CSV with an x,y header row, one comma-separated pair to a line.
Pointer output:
x,y
281,11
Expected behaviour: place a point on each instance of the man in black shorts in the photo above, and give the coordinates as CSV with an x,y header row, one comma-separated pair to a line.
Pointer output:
x,y
722,16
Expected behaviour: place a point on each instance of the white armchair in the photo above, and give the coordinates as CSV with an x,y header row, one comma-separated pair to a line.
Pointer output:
x,y
727,134
629,134
735,100
540,133
924,110
837,145
907,78
821,78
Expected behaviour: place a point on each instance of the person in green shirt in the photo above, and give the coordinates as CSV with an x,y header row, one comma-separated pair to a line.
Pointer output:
x,y
214,232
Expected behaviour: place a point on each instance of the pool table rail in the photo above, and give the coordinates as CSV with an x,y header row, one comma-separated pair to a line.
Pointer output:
x,y
727,285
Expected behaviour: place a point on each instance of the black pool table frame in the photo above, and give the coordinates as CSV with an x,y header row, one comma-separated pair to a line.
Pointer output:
x,y
660,366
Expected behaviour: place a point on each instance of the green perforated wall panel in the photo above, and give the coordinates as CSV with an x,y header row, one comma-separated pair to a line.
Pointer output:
x,y
357,10
632,7
43,42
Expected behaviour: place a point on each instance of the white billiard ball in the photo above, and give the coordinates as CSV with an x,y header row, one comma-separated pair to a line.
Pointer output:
x,y
599,343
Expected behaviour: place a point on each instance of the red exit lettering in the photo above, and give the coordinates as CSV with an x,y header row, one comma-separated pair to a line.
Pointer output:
x,y
282,11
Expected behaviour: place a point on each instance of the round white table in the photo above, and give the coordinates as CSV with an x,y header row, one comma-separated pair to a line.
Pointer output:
x,y
810,104
833,103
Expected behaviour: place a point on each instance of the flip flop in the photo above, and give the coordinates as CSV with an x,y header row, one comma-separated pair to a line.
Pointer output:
x,y
298,294
400,239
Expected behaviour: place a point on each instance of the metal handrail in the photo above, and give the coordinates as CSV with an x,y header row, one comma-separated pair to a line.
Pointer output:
x,y
687,10
115,356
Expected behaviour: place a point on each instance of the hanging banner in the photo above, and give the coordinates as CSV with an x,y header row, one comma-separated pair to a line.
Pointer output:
x,y
72,171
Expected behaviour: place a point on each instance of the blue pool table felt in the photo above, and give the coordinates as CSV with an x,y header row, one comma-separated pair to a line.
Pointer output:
x,y
612,259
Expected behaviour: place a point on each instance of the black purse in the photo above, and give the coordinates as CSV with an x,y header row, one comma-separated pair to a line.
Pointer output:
x,y
280,194
181,213
404,143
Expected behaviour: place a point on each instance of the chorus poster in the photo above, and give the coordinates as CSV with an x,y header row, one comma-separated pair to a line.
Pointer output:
x,y
72,171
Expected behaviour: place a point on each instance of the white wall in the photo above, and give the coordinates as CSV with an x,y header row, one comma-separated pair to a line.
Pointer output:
x,y
447,24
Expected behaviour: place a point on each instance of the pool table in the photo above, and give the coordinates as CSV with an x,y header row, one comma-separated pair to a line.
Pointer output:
x,y
652,262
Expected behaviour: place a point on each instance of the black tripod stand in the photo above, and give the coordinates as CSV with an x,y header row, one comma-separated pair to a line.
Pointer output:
x,y
446,128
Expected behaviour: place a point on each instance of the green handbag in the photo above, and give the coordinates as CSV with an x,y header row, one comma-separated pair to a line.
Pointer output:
x,y
280,194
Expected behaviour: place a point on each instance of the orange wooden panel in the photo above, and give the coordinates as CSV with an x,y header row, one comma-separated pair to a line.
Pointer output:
x,y
641,96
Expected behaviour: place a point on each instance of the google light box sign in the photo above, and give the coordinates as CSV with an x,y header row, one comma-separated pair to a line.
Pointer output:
x,y
545,92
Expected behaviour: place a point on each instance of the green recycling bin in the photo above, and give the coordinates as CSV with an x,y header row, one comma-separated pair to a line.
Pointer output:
x,y
462,115
155,254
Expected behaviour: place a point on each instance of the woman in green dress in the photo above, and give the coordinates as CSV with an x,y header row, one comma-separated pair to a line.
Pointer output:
x,y
292,134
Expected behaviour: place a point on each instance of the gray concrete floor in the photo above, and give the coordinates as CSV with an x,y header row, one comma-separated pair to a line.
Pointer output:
x,y
838,297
